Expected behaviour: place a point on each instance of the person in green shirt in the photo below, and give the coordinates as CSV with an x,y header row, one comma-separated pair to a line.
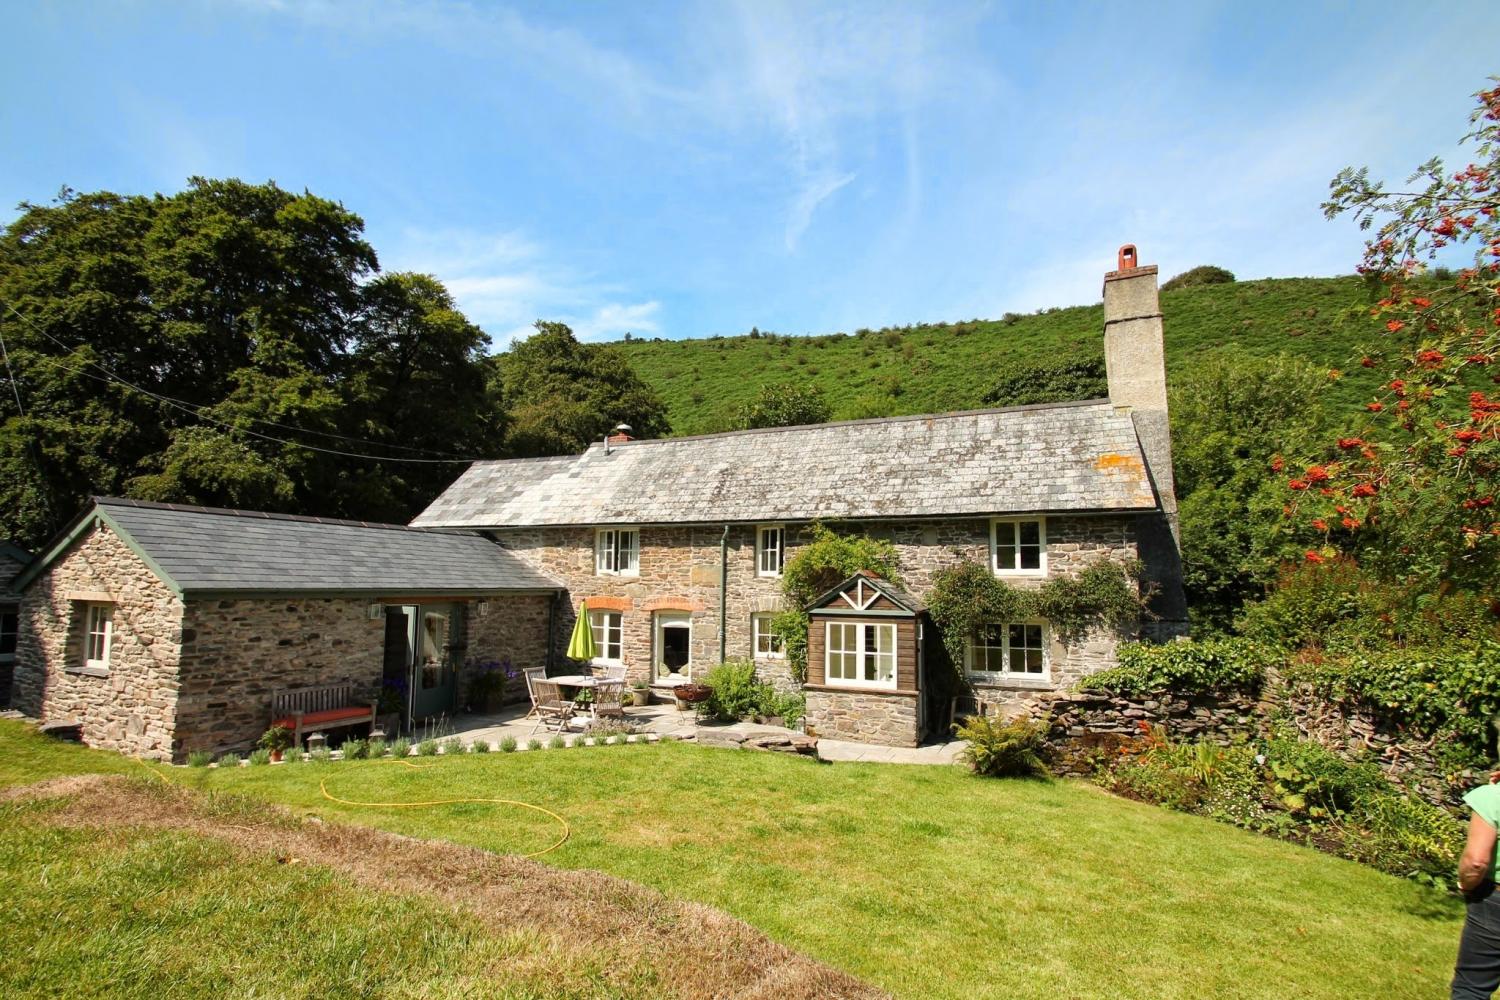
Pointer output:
x,y
1476,975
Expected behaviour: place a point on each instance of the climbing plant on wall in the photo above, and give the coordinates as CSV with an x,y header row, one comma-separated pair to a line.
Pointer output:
x,y
824,563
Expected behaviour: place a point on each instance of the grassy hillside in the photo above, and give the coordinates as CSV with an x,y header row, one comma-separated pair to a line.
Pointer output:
x,y
928,368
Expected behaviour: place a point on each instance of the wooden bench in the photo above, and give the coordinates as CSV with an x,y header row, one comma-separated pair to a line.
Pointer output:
x,y
309,710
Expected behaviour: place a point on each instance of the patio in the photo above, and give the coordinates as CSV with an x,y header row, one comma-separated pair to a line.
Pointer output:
x,y
668,720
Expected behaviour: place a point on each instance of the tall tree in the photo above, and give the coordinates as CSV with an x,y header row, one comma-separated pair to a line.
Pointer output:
x,y
221,345
1411,489
564,395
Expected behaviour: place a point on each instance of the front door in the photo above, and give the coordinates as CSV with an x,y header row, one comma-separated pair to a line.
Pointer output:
x,y
423,636
674,644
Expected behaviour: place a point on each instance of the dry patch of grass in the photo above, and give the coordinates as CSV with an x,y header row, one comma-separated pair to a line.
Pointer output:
x,y
566,920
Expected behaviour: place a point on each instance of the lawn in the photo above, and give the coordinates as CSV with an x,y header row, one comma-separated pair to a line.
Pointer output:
x,y
923,880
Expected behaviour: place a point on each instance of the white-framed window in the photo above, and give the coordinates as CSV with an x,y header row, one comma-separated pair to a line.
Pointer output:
x,y
1008,651
860,654
608,635
770,549
99,631
617,552
1018,546
764,641
9,630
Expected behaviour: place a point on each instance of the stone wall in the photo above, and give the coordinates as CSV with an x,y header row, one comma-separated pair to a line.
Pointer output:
x,y
236,654
679,569
131,707
1086,724
509,628
888,719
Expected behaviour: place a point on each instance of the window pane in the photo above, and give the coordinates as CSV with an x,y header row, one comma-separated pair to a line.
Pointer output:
x,y
1033,661
994,659
1031,532
1034,636
8,633
630,551
1005,545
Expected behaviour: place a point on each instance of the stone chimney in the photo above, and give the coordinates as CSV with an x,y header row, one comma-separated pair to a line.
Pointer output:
x,y
1136,369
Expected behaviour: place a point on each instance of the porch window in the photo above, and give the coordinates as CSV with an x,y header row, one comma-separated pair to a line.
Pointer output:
x,y
608,635
617,552
8,631
1018,547
770,548
766,643
99,631
1008,651
860,655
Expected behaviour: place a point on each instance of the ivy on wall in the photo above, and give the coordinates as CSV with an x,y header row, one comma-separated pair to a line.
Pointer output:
x,y
1103,595
824,563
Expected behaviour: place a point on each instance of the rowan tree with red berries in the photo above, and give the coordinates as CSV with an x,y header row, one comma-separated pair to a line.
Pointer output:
x,y
1410,490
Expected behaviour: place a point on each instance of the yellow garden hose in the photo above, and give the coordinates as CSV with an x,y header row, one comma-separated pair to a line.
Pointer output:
x,y
567,830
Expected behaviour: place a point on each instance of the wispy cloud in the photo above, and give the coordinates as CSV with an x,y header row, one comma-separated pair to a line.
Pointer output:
x,y
506,282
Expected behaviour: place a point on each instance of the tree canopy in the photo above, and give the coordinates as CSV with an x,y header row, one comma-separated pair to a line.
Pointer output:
x,y
564,395
236,344
784,404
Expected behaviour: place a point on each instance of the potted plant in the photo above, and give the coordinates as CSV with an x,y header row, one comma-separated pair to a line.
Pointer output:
x,y
487,689
641,693
389,705
276,740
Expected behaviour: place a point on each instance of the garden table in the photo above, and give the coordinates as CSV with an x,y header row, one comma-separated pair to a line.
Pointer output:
x,y
583,681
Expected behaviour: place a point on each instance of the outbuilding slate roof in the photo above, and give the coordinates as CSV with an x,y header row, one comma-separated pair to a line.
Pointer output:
x,y
200,550
1052,458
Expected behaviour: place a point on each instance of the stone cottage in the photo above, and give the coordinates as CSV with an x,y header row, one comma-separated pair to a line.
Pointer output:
x,y
676,547
169,629
164,629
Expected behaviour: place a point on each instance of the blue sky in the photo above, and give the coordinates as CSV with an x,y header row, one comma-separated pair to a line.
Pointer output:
x,y
682,170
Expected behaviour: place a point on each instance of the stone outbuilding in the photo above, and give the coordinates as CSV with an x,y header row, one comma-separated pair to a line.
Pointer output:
x,y
163,629
865,656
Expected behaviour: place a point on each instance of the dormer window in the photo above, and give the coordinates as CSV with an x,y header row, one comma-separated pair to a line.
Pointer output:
x,y
617,552
1018,546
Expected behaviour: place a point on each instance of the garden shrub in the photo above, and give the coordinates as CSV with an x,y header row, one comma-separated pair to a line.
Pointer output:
x,y
259,757
530,744
508,744
735,690
480,746
401,747
355,749
557,742
453,745
427,748
200,758
1297,790
1215,665
293,755
229,760
1004,749
322,755
377,748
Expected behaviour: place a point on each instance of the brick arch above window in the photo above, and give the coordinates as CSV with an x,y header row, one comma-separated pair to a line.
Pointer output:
x,y
672,604
605,602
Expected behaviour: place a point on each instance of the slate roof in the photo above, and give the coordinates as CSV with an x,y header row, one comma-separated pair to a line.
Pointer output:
x,y
884,586
1056,457
207,550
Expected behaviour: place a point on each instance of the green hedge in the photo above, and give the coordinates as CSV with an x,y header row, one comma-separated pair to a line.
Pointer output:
x,y
1218,665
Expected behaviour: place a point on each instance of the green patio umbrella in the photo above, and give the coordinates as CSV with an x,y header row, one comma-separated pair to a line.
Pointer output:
x,y
581,644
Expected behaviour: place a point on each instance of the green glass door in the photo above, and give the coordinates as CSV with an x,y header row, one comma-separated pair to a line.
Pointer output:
x,y
424,636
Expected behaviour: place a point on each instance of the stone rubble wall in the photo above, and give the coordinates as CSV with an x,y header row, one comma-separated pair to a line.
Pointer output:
x,y
510,628
886,719
1087,724
236,654
133,706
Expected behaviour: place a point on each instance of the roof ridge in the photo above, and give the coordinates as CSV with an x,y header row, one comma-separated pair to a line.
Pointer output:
x,y
260,515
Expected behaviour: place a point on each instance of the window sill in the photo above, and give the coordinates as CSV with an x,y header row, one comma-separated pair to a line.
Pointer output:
x,y
87,671
1034,573
1013,683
